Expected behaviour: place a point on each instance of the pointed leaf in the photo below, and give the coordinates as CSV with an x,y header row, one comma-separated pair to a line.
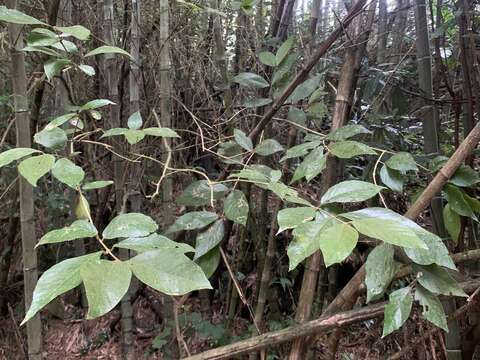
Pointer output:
x,y
337,242
11,155
87,69
304,90
437,252
313,164
392,178
452,223
78,230
437,280
397,310
254,102
35,167
134,136
348,149
192,221
209,239
161,132
283,50
200,193
380,269
153,242
268,147
432,307
402,162
457,201
108,50
236,207
135,121
300,150
290,218
350,191
267,58
251,80
17,17
346,132
243,140
68,173
60,120
97,184
52,139
114,132
77,31
97,103
209,262
130,225
465,176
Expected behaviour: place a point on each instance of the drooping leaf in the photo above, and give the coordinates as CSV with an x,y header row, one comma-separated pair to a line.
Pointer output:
x,y
60,120
432,307
283,50
130,225
452,222
161,132
77,31
457,201
87,69
78,230
348,149
283,70
230,152
254,102
290,218
392,178
380,268
236,207
82,208
135,121
108,50
268,147
192,221
250,80
397,310
337,242
106,282
209,262
173,275
243,140
11,155
209,239
57,280
304,90
68,173
287,193
97,103
300,150
350,191
312,165
437,252
134,136
17,17
52,139
153,242
65,46
465,176
437,280
201,193
402,162
114,132
97,184
346,132
35,167
53,66
267,58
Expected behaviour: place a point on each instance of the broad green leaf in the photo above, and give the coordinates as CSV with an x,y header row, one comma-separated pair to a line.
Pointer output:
x,y
243,140
283,72
192,221
130,225
472,202
230,152
304,90
268,147
17,17
337,242
95,104
52,139
161,132
106,282
11,155
351,191
153,242
41,39
209,262
392,178
397,310
135,121
78,230
402,162
35,167
108,50
297,116
54,66
432,307
173,275
346,132
300,150
201,193
290,218
254,102
236,207
68,173
114,132
97,184
209,239
66,46
286,193
312,165
348,149
41,49
134,136
60,120
380,268
437,280
457,201
437,252
267,58
87,69
283,50
57,280
316,96
465,176
452,222
251,174
77,31
250,80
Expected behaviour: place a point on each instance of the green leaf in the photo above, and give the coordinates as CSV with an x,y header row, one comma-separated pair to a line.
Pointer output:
x,y
41,49
11,155
54,66
452,222
68,173
337,242
106,282
114,132
316,96
243,140
267,58
97,184
457,201
173,275
432,307
60,120
254,102
251,174
108,50
192,221
313,164
380,269
230,152
351,191
300,150
135,121
161,132
392,178
286,193
297,116
251,80
87,69
236,207
283,50
78,230
402,162
52,139
57,280
465,176
134,136
268,147
290,218
397,310
35,167
153,242
200,193
17,17
304,90
472,202
209,239
348,149
346,132
95,104
209,262
77,31
437,252
437,280
66,46
130,225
